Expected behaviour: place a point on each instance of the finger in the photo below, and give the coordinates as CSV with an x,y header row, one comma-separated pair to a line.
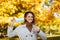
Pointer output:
x,y
13,18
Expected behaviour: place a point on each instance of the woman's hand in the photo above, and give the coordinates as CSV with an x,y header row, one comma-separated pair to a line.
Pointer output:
x,y
36,29
12,21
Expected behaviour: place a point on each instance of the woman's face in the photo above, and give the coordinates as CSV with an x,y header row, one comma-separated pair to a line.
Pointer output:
x,y
29,17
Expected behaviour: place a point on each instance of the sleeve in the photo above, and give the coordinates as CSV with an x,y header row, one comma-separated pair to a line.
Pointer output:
x,y
42,35
11,32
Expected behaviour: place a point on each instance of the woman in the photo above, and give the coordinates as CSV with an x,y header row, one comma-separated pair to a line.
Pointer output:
x,y
27,31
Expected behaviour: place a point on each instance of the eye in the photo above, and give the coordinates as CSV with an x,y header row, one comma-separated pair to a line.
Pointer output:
x,y
28,16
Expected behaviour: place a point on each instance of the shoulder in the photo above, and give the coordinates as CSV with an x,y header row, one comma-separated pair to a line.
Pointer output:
x,y
20,27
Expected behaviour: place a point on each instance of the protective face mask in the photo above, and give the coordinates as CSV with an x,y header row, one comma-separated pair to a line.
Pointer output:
x,y
19,19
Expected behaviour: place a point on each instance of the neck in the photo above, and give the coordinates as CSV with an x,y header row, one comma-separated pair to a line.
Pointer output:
x,y
28,24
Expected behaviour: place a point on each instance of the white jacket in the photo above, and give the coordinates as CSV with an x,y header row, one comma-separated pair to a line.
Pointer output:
x,y
24,34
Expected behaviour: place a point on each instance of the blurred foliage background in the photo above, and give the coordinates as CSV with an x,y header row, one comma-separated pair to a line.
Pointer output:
x,y
44,11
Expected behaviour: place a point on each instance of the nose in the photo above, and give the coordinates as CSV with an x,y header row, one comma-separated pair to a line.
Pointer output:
x,y
30,18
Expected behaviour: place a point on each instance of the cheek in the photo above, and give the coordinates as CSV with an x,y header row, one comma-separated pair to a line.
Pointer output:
x,y
32,19
27,19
